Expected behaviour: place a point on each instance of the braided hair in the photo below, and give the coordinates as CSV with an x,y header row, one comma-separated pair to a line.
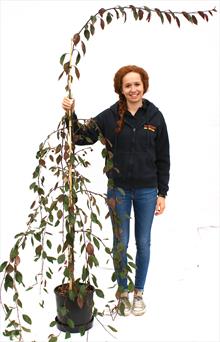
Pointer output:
x,y
118,79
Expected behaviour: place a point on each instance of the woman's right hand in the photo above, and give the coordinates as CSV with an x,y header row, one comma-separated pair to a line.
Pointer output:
x,y
68,104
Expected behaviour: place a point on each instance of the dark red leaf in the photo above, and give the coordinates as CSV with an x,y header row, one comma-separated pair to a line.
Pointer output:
x,y
117,14
80,301
77,72
173,15
76,38
9,268
66,146
66,67
159,13
42,162
177,21
140,14
101,11
71,209
187,16
90,248
111,203
102,24
107,215
58,148
202,14
66,155
194,20
59,158
38,249
168,16
133,7
60,75
206,17
125,15
148,17
83,47
17,260
33,204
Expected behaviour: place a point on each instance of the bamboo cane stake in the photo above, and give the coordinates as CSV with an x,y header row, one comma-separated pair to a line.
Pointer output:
x,y
70,169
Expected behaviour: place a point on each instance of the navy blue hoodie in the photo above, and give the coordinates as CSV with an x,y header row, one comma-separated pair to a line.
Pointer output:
x,y
140,150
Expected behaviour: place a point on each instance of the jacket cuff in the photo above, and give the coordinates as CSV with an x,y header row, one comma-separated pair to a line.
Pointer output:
x,y
161,195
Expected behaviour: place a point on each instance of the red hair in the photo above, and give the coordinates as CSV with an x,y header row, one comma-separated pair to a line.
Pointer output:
x,y
118,79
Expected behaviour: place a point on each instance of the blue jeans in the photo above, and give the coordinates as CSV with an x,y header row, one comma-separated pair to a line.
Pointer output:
x,y
144,203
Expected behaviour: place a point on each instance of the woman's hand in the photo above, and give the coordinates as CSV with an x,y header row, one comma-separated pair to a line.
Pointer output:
x,y
160,206
68,104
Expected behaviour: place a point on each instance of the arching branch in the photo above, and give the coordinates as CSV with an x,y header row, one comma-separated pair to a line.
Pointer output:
x,y
105,16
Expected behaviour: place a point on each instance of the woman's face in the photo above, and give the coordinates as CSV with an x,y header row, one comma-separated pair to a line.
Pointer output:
x,y
133,88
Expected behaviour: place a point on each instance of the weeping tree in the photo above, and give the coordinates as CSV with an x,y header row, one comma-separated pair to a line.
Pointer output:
x,y
55,211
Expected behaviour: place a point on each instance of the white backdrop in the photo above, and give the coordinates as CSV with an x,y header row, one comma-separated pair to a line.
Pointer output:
x,y
183,65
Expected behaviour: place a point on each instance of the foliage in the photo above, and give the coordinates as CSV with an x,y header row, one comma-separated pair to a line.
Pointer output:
x,y
104,17
53,223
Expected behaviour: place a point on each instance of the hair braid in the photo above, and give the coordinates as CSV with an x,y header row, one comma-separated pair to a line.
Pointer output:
x,y
122,108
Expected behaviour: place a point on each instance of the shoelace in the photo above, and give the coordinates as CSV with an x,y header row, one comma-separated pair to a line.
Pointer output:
x,y
138,302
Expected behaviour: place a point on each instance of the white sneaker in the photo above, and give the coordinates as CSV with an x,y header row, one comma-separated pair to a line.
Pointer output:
x,y
124,305
138,307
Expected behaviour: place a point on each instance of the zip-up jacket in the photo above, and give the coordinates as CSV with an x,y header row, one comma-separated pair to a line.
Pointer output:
x,y
140,151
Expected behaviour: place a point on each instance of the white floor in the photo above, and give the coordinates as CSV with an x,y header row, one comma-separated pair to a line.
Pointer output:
x,y
182,294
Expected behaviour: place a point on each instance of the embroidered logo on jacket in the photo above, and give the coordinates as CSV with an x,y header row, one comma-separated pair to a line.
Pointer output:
x,y
150,128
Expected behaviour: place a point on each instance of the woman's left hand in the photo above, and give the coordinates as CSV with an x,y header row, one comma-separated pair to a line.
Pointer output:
x,y
160,206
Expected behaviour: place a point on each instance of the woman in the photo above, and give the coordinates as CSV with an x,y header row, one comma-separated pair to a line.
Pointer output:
x,y
139,141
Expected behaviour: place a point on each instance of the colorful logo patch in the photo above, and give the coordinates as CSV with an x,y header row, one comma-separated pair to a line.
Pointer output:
x,y
150,128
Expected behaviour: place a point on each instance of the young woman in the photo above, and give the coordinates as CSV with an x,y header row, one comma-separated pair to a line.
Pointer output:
x,y
139,142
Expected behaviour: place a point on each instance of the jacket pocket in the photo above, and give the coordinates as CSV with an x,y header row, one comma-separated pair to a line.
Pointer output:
x,y
121,163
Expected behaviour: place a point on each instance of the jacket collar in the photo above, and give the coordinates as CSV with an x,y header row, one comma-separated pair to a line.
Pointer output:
x,y
149,110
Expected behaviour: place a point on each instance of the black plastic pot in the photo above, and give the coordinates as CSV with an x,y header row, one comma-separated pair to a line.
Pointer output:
x,y
68,309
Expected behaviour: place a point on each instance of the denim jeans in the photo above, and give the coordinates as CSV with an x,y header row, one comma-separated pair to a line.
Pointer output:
x,y
144,203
